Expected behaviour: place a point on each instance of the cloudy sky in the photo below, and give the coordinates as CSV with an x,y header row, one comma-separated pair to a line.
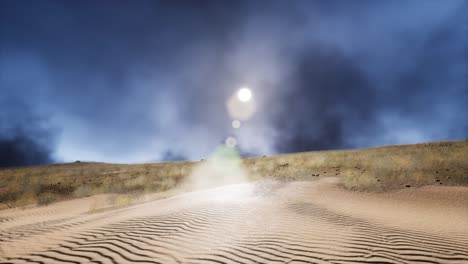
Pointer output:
x,y
139,81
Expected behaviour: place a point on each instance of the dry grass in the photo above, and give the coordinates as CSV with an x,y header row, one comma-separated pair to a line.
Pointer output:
x,y
46,184
375,169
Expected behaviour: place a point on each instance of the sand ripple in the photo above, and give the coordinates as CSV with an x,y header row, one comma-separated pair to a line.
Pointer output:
x,y
261,222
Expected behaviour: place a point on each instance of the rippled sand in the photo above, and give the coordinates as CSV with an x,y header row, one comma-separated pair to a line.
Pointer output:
x,y
262,222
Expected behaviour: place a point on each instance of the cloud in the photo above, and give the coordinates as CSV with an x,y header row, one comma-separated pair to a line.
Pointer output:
x,y
25,139
22,150
132,82
327,96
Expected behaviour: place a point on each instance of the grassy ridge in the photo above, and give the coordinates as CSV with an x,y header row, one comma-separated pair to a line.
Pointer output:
x,y
46,184
374,169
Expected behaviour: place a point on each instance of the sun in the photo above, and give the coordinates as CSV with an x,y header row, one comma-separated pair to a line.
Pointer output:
x,y
244,94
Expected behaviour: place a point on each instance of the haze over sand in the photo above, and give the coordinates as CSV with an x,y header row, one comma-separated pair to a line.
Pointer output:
x,y
259,222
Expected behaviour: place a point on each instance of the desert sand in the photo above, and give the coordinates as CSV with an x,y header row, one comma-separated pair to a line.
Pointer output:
x,y
259,222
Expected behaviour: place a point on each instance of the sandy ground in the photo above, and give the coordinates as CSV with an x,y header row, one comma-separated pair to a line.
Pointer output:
x,y
262,222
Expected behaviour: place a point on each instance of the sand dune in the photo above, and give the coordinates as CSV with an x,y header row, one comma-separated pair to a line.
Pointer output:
x,y
262,222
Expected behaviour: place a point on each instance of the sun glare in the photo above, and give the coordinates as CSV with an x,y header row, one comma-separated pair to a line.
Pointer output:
x,y
244,94
231,193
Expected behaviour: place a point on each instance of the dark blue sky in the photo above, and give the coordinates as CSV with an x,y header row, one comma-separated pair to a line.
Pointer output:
x,y
137,81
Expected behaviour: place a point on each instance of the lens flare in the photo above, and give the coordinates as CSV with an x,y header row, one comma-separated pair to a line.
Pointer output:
x,y
231,142
244,94
236,124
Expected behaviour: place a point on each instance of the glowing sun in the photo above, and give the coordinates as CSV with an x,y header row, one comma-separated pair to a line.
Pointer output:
x,y
244,94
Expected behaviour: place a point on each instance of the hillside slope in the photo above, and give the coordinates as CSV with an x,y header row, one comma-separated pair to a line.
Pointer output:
x,y
375,169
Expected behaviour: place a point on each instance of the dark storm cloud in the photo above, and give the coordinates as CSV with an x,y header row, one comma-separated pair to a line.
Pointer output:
x,y
427,88
118,72
323,103
25,139
403,83
139,81
21,150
